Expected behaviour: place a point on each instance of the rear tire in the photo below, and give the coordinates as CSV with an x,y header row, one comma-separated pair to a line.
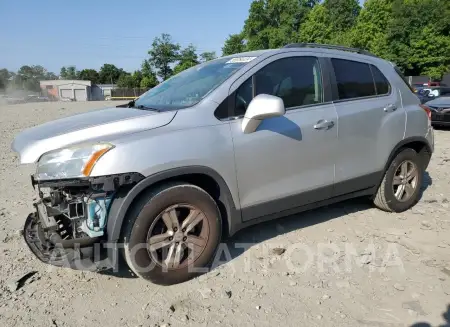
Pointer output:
x,y
160,245
400,188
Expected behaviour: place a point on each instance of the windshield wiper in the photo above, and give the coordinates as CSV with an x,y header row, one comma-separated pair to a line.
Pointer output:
x,y
146,108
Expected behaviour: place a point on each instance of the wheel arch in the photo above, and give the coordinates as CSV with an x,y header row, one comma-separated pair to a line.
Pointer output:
x,y
417,143
204,177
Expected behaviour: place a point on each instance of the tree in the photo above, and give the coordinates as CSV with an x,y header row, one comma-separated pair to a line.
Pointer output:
x,y
28,77
50,76
137,78
89,75
370,29
125,80
149,79
163,53
149,82
69,72
418,36
343,14
188,58
208,56
63,72
275,23
109,74
317,27
5,76
233,44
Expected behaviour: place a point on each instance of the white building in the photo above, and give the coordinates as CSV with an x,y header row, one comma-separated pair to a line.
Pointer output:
x,y
101,91
67,89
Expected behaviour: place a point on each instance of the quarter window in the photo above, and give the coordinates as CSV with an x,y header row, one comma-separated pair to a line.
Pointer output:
x,y
381,83
354,79
297,80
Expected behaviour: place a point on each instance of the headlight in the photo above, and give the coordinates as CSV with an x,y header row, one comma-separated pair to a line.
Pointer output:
x,y
72,162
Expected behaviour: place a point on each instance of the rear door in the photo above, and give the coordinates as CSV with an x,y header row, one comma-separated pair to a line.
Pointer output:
x,y
371,120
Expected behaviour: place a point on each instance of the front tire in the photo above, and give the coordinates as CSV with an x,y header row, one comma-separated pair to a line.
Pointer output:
x,y
171,232
400,188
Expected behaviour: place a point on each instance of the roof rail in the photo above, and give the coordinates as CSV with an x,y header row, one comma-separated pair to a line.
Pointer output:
x,y
327,46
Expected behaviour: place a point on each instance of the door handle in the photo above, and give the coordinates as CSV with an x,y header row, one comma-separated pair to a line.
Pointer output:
x,y
390,108
324,124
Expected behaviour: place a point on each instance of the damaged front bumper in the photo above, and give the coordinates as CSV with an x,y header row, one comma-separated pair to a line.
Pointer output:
x,y
68,226
89,258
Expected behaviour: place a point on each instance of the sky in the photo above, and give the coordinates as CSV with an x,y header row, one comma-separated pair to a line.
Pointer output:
x,y
89,33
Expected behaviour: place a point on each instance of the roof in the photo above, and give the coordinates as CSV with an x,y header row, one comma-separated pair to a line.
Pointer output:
x,y
65,82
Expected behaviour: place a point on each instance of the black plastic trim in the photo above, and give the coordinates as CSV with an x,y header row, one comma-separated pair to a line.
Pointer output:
x,y
287,203
123,201
331,47
106,183
367,183
301,208
403,144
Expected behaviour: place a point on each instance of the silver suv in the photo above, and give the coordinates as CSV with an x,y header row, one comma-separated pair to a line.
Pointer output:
x,y
221,146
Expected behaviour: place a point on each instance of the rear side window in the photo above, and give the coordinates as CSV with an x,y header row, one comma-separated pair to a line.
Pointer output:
x,y
381,83
354,79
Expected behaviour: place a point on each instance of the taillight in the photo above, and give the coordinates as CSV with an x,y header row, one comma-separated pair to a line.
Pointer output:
x,y
427,110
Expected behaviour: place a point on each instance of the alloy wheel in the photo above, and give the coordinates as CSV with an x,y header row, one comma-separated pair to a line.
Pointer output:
x,y
405,180
178,236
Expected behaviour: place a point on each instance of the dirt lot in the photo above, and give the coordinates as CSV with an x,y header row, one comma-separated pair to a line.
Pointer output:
x,y
344,265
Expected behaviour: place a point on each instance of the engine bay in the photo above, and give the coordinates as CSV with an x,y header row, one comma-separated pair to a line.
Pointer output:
x,y
76,211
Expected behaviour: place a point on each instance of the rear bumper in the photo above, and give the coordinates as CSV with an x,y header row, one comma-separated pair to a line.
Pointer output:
x,y
89,258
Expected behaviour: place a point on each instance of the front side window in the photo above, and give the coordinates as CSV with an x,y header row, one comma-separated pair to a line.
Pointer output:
x,y
354,79
192,85
296,80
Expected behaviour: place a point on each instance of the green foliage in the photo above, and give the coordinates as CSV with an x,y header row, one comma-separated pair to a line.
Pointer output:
x,y
233,44
275,23
137,78
148,82
89,75
69,72
163,54
208,56
28,77
188,58
5,75
418,36
149,78
343,14
125,80
370,29
109,74
317,27
414,34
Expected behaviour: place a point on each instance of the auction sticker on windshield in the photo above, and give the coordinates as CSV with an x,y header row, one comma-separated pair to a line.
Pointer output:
x,y
240,60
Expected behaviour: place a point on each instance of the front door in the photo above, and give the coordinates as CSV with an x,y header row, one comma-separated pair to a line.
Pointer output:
x,y
288,161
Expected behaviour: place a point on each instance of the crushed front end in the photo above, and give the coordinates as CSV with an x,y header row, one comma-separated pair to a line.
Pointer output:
x,y
68,227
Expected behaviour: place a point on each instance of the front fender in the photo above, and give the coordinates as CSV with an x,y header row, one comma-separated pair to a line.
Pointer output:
x,y
124,200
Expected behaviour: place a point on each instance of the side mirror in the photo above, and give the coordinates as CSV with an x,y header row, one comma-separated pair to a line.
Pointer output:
x,y
261,107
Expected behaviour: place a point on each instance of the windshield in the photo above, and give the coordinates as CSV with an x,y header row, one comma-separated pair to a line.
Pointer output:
x,y
192,85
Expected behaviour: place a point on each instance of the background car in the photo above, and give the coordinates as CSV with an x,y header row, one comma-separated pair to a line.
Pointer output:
x,y
440,110
429,93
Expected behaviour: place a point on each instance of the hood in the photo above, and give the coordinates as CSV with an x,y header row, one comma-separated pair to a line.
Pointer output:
x,y
441,102
95,126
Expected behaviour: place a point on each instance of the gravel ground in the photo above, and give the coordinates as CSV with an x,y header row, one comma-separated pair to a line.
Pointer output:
x,y
344,265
